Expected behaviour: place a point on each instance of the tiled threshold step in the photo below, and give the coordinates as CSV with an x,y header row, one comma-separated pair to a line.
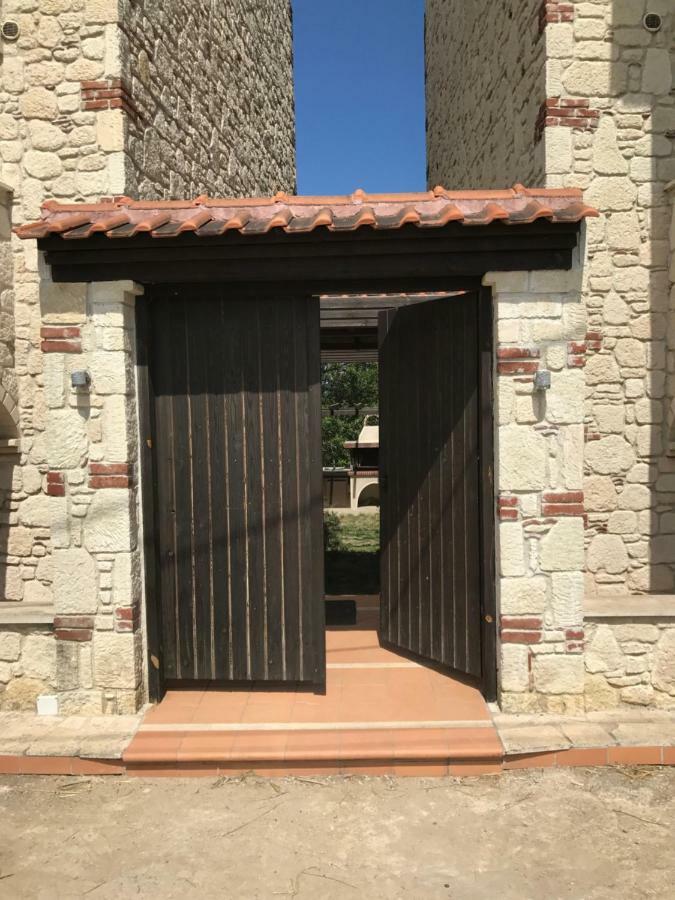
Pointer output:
x,y
338,746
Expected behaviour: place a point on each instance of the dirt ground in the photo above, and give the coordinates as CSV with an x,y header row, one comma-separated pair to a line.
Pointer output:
x,y
576,833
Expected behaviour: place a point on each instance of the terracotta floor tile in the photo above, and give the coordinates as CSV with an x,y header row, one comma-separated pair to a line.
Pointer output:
x,y
367,744
173,771
98,767
477,742
421,743
47,765
372,769
154,746
411,768
669,756
472,769
205,746
634,756
10,765
255,745
582,757
309,745
530,761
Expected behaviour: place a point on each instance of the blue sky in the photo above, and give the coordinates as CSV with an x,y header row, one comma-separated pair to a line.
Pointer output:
x,y
359,95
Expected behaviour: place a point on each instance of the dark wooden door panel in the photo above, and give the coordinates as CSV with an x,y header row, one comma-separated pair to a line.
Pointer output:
x,y
429,465
237,438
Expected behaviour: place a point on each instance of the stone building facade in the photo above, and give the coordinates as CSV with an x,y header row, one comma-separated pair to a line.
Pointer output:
x,y
590,104
101,98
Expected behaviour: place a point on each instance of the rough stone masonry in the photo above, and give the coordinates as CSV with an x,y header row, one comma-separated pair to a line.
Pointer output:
x,y
577,94
100,98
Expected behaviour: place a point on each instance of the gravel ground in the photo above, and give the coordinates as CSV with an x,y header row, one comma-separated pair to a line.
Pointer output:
x,y
575,833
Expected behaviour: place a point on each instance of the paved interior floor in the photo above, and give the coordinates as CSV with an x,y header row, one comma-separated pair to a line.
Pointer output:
x,y
379,707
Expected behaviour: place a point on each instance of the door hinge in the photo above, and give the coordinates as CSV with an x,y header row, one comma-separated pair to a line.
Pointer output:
x,y
148,442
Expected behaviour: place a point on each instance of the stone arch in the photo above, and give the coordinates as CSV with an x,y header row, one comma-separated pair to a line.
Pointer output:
x,y
369,495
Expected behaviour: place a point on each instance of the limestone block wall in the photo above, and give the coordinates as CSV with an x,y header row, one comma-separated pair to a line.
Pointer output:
x,y
91,494
540,323
207,77
604,64
601,116
630,662
210,90
485,71
27,665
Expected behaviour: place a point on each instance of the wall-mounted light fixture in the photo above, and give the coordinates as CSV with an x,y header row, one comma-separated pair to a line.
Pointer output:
x,y
542,380
80,378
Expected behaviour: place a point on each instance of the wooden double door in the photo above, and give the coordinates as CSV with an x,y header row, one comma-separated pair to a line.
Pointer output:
x,y
235,413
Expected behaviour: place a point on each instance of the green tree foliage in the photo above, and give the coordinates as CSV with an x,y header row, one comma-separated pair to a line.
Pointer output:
x,y
345,386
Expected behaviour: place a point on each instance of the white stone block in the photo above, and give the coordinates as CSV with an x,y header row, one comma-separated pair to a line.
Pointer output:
x,y
607,553
511,549
522,596
65,438
610,455
116,660
657,73
562,549
75,585
607,159
567,598
565,399
557,673
522,459
515,675
110,525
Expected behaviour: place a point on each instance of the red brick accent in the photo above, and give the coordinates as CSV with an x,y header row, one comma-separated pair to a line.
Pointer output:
x,y
576,354
126,618
520,629
571,112
507,508
552,11
521,637
109,481
517,360
61,339
56,486
110,475
110,94
108,468
73,628
566,503
593,340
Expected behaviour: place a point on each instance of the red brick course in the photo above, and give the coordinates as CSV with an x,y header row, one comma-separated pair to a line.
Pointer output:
x,y
110,475
565,503
57,339
110,94
517,360
56,486
552,11
73,628
570,112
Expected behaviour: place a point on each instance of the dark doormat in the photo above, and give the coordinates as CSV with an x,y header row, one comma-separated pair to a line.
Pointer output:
x,y
340,612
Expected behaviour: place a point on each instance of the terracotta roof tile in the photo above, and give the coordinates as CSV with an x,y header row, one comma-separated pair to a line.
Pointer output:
x,y
207,217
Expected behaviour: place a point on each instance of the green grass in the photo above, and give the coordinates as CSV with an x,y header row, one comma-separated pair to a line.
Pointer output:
x,y
352,563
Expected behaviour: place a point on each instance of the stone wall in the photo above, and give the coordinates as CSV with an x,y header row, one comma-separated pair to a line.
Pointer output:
x,y
630,662
27,665
605,59
540,323
484,87
70,130
210,87
92,448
